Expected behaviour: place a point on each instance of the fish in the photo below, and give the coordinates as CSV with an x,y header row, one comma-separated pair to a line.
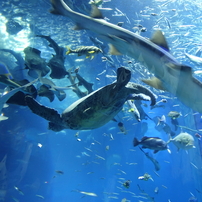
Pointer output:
x,y
8,82
59,172
161,120
34,63
56,63
44,91
154,54
122,128
17,72
174,114
89,51
4,70
193,199
168,130
85,83
40,196
145,177
154,143
13,27
88,193
7,96
75,88
183,141
154,161
133,109
194,58
126,184
19,97
49,88
19,190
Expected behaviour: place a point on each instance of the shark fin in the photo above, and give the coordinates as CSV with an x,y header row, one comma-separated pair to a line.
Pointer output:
x,y
95,13
3,118
113,50
55,12
159,39
175,69
154,82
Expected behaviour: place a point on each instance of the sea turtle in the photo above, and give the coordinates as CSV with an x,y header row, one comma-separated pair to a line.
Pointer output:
x,y
95,109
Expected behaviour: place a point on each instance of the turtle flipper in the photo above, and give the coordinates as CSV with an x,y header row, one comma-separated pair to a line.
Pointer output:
x,y
55,127
43,111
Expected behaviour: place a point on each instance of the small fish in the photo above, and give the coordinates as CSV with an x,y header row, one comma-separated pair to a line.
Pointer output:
x,y
154,161
122,128
89,51
88,193
42,197
161,120
99,157
194,58
156,190
174,114
145,177
84,83
193,199
126,184
133,109
59,172
19,190
107,147
16,200
154,143
4,70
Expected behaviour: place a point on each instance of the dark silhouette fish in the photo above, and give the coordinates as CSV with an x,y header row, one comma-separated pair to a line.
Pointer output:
x,y
34,63
85,83
154,161
154,143
56,63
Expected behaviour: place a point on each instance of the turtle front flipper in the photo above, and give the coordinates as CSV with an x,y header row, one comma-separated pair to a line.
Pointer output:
x,y
43,111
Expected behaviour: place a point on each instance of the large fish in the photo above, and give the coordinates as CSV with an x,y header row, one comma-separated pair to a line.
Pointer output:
x,y
56,63
170,75
4,98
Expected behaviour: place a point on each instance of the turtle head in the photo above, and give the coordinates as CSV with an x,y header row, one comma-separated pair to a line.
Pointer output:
x,y
123,76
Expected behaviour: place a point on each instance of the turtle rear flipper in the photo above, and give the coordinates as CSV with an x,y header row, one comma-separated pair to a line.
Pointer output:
x,y
55,127
43,111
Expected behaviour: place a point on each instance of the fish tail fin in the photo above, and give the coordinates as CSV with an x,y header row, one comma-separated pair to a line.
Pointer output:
x,y
68,50
135,142
170,139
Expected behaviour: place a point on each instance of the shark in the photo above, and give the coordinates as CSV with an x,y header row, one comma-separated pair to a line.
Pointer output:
x,y
169,74
5,97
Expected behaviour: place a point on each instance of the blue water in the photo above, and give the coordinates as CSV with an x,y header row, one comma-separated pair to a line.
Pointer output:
x,y
97,161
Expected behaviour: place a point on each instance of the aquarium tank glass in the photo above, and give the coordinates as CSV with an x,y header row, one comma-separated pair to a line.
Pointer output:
x,y
101,100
